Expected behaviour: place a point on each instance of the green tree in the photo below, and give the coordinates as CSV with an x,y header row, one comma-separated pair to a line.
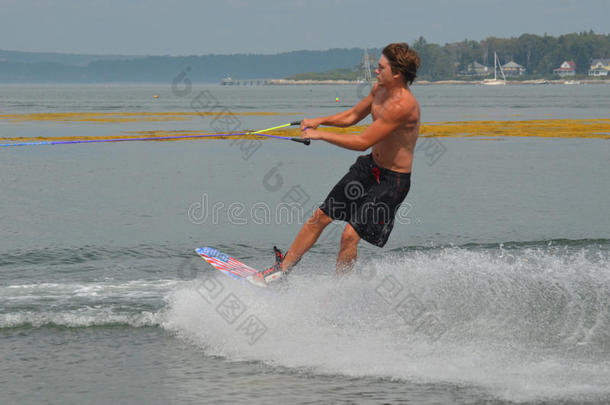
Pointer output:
x,y
436,64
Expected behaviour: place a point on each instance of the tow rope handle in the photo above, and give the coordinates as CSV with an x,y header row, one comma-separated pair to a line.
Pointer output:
x,y
305,141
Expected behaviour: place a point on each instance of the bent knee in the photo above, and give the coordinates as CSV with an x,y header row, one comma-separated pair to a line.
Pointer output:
x,y
320,218
349,236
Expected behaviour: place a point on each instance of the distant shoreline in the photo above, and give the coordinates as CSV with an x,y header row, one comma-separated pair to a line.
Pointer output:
x,y
517,82
288,82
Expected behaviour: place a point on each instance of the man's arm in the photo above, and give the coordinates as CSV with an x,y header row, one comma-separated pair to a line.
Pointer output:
x,y
375,132
345,118
392,117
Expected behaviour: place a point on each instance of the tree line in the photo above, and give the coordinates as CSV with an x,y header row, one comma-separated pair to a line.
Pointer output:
x,y
538,54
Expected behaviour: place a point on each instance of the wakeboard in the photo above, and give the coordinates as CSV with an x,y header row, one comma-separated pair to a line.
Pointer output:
x,y
228,265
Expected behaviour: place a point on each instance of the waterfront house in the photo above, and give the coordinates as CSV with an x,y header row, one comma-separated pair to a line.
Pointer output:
x,y
567,68
599,67
475,69
513,69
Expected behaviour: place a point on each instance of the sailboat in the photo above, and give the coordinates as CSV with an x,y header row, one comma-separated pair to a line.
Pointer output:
x,y
366,68
495,81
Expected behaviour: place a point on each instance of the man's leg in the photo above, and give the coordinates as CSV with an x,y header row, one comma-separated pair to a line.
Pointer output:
x,y
348,252
307,236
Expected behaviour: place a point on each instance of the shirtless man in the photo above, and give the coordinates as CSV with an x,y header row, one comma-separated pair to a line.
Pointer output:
x,y
368,196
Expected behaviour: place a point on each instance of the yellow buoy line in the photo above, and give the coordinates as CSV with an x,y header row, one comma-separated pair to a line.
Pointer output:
x,y
157,136
548,128
553,128
112,117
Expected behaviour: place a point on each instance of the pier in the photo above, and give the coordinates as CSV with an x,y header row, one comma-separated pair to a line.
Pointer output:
x,y
228,81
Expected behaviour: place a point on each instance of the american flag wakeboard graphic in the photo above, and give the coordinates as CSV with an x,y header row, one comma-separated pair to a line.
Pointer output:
x,y
225,263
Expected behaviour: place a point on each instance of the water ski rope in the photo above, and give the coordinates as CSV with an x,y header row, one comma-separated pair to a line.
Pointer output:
x,y
259,132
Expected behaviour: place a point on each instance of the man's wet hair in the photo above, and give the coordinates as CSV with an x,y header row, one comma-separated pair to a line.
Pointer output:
x,y
402,59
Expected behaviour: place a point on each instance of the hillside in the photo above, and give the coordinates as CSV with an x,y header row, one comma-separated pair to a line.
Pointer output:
x,y
539,55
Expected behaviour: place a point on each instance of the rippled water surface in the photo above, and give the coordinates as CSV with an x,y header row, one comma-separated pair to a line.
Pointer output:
x,y
494,286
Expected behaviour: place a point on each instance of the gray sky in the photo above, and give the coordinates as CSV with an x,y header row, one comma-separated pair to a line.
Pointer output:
x,y
191,27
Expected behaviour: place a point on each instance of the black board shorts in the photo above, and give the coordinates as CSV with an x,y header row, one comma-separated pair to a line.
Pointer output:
x,y
367,197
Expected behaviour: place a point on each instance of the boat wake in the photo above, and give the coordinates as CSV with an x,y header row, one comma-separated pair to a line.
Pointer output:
x,y
523,323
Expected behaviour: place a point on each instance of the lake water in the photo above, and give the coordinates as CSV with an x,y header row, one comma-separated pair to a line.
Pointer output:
x,y
493,288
